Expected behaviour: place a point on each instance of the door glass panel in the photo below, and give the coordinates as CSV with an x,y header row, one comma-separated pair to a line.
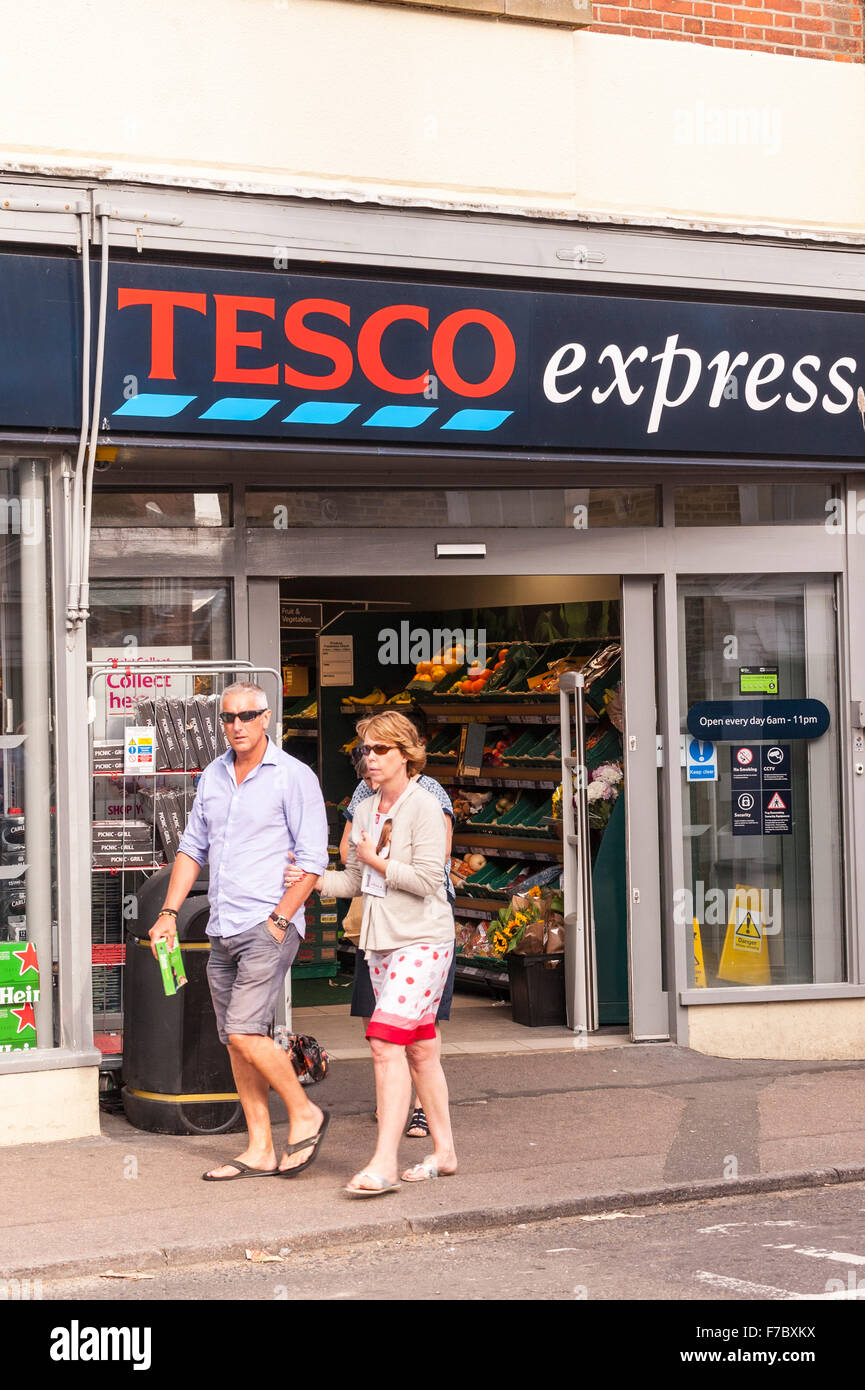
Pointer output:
x,y
762,837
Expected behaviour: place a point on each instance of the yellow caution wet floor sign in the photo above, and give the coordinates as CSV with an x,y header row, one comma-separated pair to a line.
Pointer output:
x,y
699,966
745,956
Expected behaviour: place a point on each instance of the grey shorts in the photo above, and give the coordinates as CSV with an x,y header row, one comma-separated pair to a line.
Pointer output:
x,y
245,974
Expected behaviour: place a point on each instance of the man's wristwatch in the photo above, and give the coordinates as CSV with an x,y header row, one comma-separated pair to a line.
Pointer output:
x,y
282,922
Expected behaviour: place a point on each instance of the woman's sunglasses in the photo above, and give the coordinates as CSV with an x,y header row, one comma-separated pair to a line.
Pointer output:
x,y
244,715
378,748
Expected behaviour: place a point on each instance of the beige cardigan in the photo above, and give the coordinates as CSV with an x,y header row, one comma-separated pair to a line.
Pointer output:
x,y
415,908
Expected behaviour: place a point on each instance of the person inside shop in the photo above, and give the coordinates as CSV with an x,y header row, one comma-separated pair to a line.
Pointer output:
x,y
254,807
396,860
362,999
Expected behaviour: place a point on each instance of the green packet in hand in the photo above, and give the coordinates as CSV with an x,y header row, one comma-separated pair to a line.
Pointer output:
x,y
171,965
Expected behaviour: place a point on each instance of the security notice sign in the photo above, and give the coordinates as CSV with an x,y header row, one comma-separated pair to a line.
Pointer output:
x,y
761,785
139,751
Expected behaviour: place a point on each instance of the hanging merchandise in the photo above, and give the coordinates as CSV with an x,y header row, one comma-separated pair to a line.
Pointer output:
x,y
745,956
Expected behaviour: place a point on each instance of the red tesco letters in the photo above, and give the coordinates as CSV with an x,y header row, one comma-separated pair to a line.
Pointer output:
x,y
233,330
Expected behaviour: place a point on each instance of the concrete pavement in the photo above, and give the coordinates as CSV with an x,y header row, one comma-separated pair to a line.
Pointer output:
x,y
538,1134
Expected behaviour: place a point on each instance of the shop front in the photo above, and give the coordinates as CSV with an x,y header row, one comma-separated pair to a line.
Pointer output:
x,y
461,497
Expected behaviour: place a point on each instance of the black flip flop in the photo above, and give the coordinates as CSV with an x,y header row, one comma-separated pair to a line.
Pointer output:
x,y
243,1171
312,1142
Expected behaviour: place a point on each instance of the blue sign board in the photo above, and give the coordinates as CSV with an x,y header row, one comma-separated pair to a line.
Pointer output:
x,y
268,353
702,761
732,721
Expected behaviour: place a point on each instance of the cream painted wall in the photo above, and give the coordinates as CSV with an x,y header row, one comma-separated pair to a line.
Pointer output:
x,y
400,104
41,1106
818,1030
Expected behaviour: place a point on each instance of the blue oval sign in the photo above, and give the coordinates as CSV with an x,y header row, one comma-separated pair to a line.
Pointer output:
x,y
732,720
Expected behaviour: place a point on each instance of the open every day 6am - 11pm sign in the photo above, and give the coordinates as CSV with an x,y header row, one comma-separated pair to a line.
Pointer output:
x,y
727,721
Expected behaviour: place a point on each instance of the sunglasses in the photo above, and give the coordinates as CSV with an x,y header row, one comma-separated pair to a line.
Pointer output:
x,y
244,715
378,748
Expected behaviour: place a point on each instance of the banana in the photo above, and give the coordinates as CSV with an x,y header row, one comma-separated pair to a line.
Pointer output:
x,y
377,697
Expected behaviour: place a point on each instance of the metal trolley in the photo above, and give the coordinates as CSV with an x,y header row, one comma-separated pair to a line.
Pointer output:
x,y
139,816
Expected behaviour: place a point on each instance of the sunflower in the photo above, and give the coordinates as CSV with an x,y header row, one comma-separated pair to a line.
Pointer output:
x,y
500,943
535,893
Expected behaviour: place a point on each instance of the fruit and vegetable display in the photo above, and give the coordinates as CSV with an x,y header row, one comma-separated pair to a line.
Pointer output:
x,y
461,869
476,876
305,708
504,747
479,675
375,698
430,674
467,804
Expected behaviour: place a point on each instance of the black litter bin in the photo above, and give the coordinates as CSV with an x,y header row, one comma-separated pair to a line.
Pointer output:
x,y
538,989
176,1073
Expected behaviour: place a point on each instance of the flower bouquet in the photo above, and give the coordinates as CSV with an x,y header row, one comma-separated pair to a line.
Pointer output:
x,y
602,793
529,925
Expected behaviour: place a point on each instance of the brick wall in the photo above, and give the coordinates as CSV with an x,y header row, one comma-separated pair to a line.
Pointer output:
x,y
833,29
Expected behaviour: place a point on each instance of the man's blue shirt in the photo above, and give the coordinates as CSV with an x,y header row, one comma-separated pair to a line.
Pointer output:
x,y
247,832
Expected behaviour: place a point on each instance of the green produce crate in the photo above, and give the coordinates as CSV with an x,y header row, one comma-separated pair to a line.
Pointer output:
x,y
517,815
607,748
322,971
296,710
522,745
475,885
501,881
556,651
445,744
520,657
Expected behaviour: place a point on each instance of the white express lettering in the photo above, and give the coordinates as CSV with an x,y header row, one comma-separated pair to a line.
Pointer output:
x,y
799,379
558,366
837,407
757,377
679,373
613,353
661,400
724,370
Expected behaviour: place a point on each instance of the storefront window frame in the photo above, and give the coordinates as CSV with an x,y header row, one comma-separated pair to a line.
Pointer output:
x,y
664,552
826,554
67,689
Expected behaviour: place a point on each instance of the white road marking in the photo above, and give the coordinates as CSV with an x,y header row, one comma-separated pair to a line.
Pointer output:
x,y
840,1255
615,1216
744,1286
725,1226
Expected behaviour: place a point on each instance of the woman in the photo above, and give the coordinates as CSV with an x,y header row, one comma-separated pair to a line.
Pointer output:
x,y
362,997
396,860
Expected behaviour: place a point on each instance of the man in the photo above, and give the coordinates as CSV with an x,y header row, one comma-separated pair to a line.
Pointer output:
x,y
255,808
